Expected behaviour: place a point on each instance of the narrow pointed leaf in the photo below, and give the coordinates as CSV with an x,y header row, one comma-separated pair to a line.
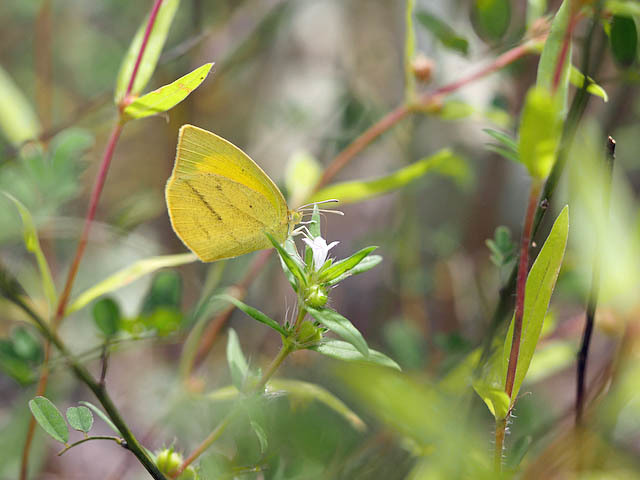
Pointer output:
x,y
443,32
359,190
288,261
366,264
577,78
238,365
343,266
496,399
32,244
341,327
262,436
151,54
540,284
254,313
345,351
504,138
128,275
80,418
49,418
167,97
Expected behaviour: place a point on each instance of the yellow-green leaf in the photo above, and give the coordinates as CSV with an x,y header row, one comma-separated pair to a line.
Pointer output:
x,y
540,130
151,54
577,78
167,97
18,120
32,244
128,275
443,161
540,284
496,399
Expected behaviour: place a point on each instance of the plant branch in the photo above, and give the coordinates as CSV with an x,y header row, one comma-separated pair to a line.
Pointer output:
x,y
118,440
521,283
285,350
576,110
592,302
426,101
143,47
99,391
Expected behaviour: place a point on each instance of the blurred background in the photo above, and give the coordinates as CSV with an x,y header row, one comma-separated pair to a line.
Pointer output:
x,y
298,81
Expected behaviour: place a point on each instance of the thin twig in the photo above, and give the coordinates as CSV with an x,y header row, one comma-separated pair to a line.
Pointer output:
x,y
595,287
118,440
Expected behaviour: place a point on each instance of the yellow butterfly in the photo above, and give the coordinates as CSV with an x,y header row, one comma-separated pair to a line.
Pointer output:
x,y
220,201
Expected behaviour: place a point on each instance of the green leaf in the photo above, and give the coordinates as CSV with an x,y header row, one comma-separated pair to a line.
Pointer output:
x,y
151,54
14,365
490,18
502,151
341,327
342,267
128,275
504,138
254,313
359,190
26,345
540,284
346,351
301,176
102,415
290,264
168,96
366,264
496,399
262,436
622,7
577,79
165,291
540,130
49,418
624,40
238,365
80,418
106,315
443,32
18,120
32,244
551,54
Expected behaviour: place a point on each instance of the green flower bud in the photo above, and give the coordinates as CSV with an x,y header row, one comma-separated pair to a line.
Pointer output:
x,y
309,333
168,461
316,296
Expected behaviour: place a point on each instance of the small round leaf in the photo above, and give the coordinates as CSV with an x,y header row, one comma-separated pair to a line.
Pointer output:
x,y
80,418
49,418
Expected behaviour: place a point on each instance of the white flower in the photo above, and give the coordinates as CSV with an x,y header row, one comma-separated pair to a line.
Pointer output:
x,y
320,250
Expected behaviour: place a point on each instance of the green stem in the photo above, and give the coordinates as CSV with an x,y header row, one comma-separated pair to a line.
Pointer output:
x,y
99,391
285,350
501,427
118,440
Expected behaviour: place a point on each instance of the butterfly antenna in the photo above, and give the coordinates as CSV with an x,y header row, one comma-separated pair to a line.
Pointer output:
x,y
310,205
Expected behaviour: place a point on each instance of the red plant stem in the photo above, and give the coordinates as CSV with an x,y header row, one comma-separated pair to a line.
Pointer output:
x,y
91,213
521,284
562,58
143,45
425,101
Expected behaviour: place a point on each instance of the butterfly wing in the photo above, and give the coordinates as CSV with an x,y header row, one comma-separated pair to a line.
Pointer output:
x,y
220,202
